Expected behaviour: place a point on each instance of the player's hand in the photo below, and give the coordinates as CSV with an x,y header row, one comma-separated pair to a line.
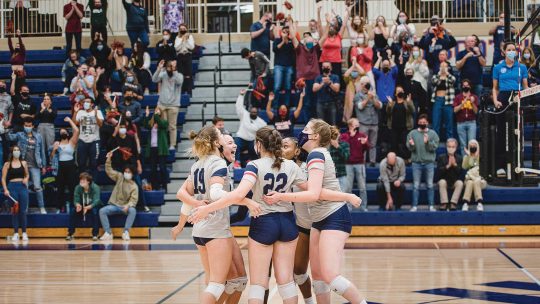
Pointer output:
x,y
355,201
254,208
198,214
272,197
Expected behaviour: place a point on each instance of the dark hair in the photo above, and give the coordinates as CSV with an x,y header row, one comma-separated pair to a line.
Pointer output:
x,y
423,116
477,43
10,157
86,176
28,119
507,43
465,80
130,168
270,139
166,30
397,18
217,119
245,52
74,52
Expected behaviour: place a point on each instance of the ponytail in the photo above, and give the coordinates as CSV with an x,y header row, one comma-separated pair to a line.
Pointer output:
x,y
270,140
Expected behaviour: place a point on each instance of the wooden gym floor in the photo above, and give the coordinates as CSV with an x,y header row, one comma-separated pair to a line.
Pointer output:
x,y
388,270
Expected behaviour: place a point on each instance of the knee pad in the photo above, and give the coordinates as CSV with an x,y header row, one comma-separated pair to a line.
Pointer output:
x,y
256,292
215,289
339,285
320,287
287,291
236,285
300,279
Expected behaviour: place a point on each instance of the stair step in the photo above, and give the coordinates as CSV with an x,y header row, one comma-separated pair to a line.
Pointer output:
x,y
207,75
228,92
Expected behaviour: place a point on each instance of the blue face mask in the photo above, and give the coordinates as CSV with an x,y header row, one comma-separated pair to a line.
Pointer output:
x,y
354,75
27,129
129,79
100,47
511,55
309,45
303,138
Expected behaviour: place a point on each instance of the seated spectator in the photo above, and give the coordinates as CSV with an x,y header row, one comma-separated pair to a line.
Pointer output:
x,y
130,104
340,152
46,117
157,148
122,201
140,64
435,39
449,172
91,63
385,73
6,117
423,143
443,101
403,31
352,79
24,108
250,123
379,35
137,25
474,182
83,80
219,123
419,66
471,63
172,19
466,108
89,120
326,88
132,83
259,65
15,184
284,120
367,110
86,204
283,67
400,121
120,64
17,57
33,152
165,47
184,45
70,69
358,144
170,84
390,185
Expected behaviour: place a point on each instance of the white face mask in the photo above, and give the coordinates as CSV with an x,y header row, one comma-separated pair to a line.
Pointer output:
x,y
402,20
86,106
451,151
128,176
16,154
122,131
416,54
527,56
360,41
166,37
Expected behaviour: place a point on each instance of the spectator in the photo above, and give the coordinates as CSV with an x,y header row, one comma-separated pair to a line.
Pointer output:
x,y
33,152
250,123
367,111
258,63
285,120
83,80
122,201
385,73
340,152
314,30
46,116
98,18
449,172
379,35
219,123
18,80
111,117
103,55
261,33
132,129
73,13
474,183
470,62
21,9
140,64
403,31
170,84
17,57
283,67
356,28
326,88
423,143
63,159
417,92
131,105
165,47
435,39
70,67
24,108
89,120
352,81
86,204
498,39
358,143
6,117
173,17
529,60
132,83
184,45
157,148
120,65
466,108
400,122
137,22
419,67
363,54
443,101
330,43
15,185
390,185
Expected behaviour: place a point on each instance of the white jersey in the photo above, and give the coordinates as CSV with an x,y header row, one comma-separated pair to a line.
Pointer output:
x,y
217,224
266,179
320,159
301,210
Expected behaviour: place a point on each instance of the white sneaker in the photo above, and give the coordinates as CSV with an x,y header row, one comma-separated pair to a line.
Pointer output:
x,y
172,148
25,237
432,209
465,207
480,207
42,210
66,91
15,237
501,172
125,236
413,209
106,237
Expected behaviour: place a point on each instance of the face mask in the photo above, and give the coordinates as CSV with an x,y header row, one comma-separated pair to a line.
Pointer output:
x,y
422,127
451,151
466,89
16,154
354,75
326,70
2,90
303,138
309,45
360,41
170,73
166,37
64,136
183,32
473,149
402,20
527,56
86,106
409,77
100,47
28,129
25,94
128,98
511,55
401,95
129,79
386,69
84,185
416,54
128,176
122,131
253,116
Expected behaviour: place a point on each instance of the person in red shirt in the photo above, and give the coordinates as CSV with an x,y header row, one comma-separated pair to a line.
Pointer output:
x,y
330,43
73,13
466,108
362,54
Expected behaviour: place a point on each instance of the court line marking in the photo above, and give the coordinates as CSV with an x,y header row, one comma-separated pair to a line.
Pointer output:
x,y
523,269
180,288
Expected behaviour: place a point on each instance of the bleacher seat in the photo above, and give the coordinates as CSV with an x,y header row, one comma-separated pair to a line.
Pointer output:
x,y
142,219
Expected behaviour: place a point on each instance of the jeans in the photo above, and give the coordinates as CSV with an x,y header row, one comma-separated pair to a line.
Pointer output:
x,y
428,170
282,80
46,130
310,100
69,42
443,114
466,131
92,215
372,132
35,177
244,145
327,111
477,90
358,171
138,35
19,192
87,156
108,210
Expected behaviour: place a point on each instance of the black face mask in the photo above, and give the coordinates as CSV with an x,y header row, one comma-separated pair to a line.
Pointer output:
x,y
473,149
2,90
128,98
466,89
25,94
253,116
422,127
401,95
326,70
183,32
170,73
386,70
64,136
409,77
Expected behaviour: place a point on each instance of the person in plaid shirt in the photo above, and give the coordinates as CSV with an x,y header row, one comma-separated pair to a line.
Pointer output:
x,y
443,100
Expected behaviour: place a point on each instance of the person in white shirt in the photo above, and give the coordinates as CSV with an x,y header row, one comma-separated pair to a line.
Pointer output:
x,y
89,119
250,123
83,80
184,45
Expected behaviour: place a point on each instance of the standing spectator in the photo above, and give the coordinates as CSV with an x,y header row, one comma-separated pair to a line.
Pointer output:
x,y
170,84
403,31
73,13
120,65
379,35
356,28
258,63
423,143
15,184
165,47
330,43
84,81
419,66
352,78
529,60
173,17
33,152
470,62
250,123
157,148
219,123
449,172
326,88
184,45
70,67
314,29
89,119
137,22
340,152
24,108
103,55
443,101
400,122
466,108
131,105
390,185
367,111
283,67
46,116
86,204
17,54
21,9
358,144
98,18
284,120
385,73
140,64
122,201
18,80
474,183
6,117
435,39
498,39
261,33
363,54
419,95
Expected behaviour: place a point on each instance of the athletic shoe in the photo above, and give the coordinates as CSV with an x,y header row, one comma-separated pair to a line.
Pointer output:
x,y
147,210
172,148
66,92
25,237
501,172
69,237
365,209
465,207
432,209
125,236
480,207
42,210
15,237
106,237
95,238
413,209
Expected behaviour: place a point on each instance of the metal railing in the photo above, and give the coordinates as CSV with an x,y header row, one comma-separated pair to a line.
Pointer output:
x,y
203,118
220,54
215,89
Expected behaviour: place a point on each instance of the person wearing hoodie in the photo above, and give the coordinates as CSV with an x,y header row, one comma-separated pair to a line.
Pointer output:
x,y
137,22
